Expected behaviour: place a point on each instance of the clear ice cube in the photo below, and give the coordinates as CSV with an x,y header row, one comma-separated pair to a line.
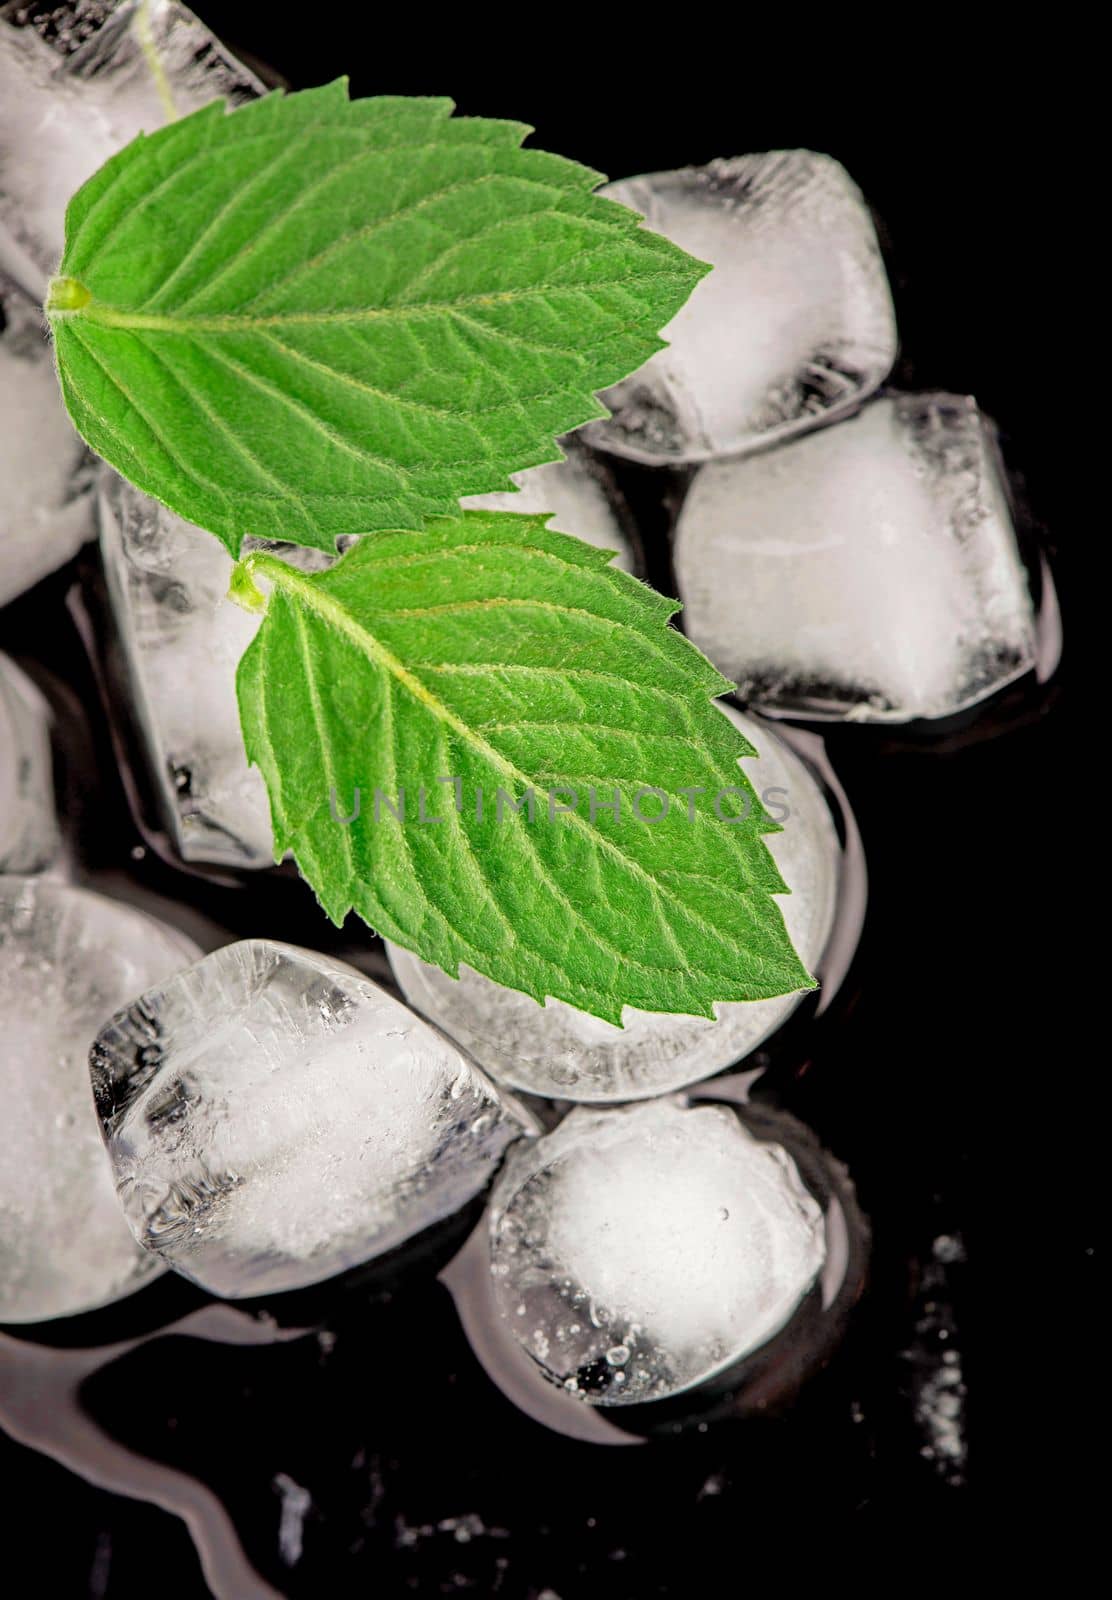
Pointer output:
x,y
579,494
274,1118
68,960
29,836
638,1251
45,507
869,571
793,327
64,111
180,643
559,1051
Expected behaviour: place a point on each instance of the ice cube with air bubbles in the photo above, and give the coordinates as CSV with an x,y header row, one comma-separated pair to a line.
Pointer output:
x,y
45,505
274,1118
793,327
179,641
559,1051
70,100
639,1251
870,571
30,840
68,960
579,493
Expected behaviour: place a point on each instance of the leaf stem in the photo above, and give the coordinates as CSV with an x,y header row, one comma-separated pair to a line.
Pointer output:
x,y
244,591
144,32
66,294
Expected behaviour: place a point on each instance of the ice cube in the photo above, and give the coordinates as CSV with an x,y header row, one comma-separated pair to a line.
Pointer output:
x,y
870,571
793,327
45,508
273,1118
638,1251
64,111
29,836
559,1051
68,960
180,642
579,493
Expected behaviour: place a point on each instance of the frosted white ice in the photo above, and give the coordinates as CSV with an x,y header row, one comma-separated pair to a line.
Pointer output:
x,y
559,1051
180,643
68,960
273,1118
638,1251
29,836
45,509
63,114
579,494
793,327
870,571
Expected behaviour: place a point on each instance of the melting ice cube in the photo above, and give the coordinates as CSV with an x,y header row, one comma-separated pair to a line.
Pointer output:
x,y
869,571
180,643
557,1050
793,327
638,1251
274,1118
29,837
68,960
71,100
45,509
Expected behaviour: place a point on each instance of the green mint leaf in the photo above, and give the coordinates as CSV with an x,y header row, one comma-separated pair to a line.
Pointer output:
x,y
491,654
314,316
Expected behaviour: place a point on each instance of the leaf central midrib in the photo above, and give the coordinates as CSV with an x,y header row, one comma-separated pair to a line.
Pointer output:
x,y
109,316
333,612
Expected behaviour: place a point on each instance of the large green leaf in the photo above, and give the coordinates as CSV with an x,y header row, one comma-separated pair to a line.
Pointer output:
x,y
315,316
490,653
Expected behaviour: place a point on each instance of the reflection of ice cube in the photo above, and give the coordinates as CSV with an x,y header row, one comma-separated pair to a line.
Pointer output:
x,y
793,326
273,1118
45,513
68,960
69,102
638,1251
29,838
556,1050
181,642
869,571
579,494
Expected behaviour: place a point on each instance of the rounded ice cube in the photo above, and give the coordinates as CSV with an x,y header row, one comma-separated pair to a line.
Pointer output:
x,y
638,1251
273,1118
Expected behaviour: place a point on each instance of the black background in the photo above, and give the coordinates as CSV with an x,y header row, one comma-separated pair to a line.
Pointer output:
x,y
944,1080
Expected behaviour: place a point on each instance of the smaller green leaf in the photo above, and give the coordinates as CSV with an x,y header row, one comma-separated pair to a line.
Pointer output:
x,y
314,316
448,675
